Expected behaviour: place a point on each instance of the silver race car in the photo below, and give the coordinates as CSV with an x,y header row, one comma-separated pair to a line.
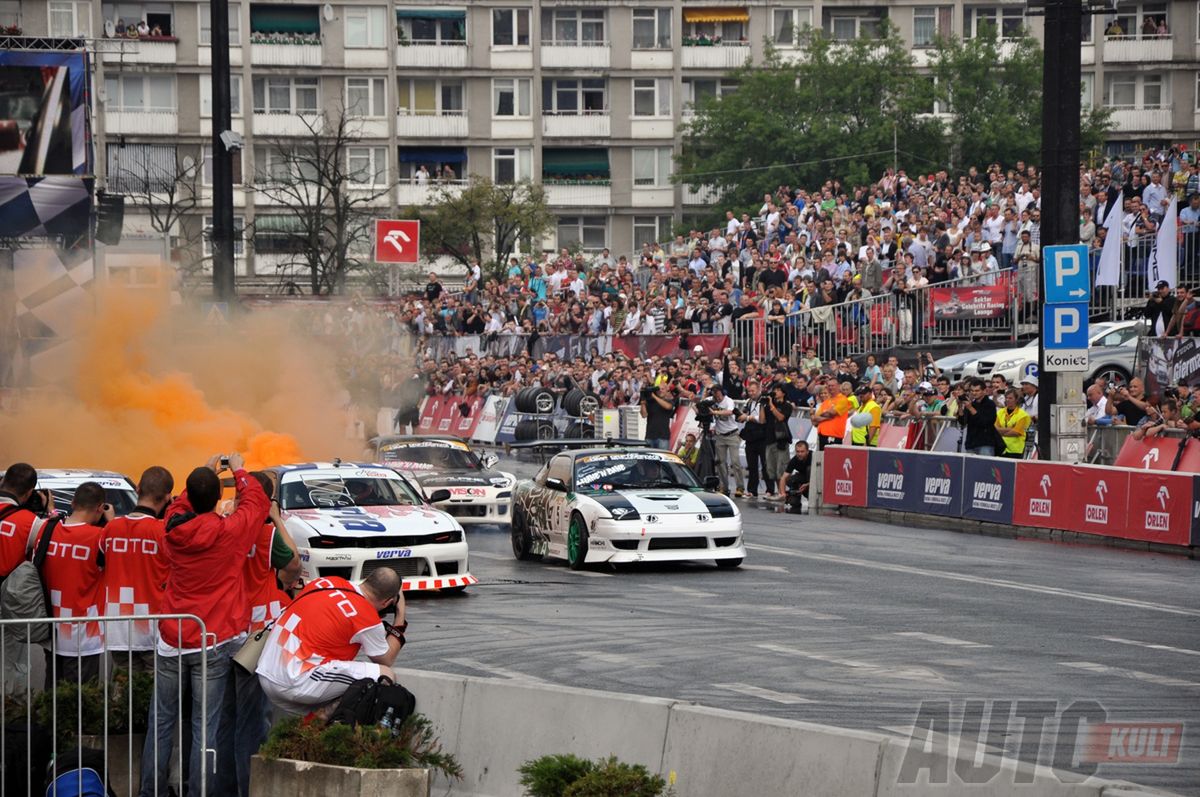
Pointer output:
x,y
478,493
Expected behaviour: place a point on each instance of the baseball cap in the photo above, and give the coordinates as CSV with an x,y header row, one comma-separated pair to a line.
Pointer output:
x,y
925,387
1162,284
698,349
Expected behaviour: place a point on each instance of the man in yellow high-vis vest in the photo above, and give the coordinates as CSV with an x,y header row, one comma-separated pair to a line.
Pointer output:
x,y
1012,424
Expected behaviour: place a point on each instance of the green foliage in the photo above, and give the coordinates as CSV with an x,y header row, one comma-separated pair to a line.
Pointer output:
x,y
364,747
550,775
84,707
566,775
483,221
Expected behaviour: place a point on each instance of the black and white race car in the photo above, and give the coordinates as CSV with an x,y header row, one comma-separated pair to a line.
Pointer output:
x,y
478,494
623,505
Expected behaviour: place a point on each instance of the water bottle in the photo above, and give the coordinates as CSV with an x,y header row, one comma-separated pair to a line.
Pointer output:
x,y
388,719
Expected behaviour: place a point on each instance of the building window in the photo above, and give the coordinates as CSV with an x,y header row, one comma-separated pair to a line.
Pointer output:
x,y
140,93
698,90
273,166
364,25
1198,91
206,169
126,17
651,167
441,163
510,27
930,23
367,165
652,97
1007,21
651,229
1146,21
512,164
588,232
566,164
239,236
285,24
285,95
510,97
850,26
10,14
431,27
70,18
235,24
788,23
1085,34
571,96
1087,88
235,95
141,168
652,29
580,27
431,97
366,96
1135,90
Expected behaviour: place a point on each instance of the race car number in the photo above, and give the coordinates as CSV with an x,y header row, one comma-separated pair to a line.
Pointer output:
x,y
353,518
399,553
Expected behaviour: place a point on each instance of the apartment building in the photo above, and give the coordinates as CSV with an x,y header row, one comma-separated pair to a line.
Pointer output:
x,y
587,96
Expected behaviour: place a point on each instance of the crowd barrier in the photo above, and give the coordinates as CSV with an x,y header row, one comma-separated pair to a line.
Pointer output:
x,y
1149,504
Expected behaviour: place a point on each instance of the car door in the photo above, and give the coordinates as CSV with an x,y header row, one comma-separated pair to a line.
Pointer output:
x,y
558,513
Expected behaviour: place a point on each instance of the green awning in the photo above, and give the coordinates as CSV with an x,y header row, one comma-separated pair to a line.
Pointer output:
x,y
574,162
273,225
285,19
429,13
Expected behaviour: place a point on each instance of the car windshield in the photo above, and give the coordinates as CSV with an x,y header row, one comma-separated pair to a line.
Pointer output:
x,y
123,501
333,492
436,457
631,470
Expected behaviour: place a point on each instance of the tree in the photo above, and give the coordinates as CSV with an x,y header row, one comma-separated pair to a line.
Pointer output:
x,y
993,91
158,182
329,201
483,221
831,112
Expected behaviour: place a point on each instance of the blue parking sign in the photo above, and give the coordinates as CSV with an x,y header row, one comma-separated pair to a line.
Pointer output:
x,y
1066,274
1065,326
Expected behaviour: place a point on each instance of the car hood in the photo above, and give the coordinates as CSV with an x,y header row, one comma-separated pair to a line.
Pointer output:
x,y
368,520
459,478
663,502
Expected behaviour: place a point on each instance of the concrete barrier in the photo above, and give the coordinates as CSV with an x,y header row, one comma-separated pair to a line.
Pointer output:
x,y
493,726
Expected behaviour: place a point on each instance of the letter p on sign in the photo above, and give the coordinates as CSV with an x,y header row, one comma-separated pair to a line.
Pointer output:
x,y
1066,324
1069,266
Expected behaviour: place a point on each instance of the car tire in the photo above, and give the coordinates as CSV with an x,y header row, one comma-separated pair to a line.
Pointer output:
x,y
577,542
729,564
522,540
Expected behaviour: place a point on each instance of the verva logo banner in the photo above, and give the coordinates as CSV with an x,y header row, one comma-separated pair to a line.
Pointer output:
x,y
397,241
988,486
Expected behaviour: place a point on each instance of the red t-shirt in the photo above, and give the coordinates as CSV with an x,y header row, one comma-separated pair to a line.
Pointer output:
x,y
135,570
14,535
263,593
72,575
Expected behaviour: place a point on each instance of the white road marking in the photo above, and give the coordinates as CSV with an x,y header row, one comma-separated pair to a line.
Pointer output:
x,y
941,640
766,568
793,610
977,579
500,672
1137,675
691,593
866,668
1150,645
785,698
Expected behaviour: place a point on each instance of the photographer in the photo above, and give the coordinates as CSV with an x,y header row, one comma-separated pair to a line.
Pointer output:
x,y
1128,402
754,433
977,412
793,482
19,510
726,442
777,411
658,408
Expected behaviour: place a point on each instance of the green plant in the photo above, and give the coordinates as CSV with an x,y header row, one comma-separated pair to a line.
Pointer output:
x,y
550,775
613,778
366,747
84,708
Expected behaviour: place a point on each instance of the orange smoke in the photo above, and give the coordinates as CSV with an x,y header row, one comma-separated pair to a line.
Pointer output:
x,y
149,387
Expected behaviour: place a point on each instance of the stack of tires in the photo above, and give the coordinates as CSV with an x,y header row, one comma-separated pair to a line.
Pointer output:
x,y
537,402
581,407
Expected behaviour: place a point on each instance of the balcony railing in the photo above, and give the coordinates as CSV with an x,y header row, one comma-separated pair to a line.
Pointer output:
x,y
1137,49
160,50
411,194
285,53
715,56
582,193
571,125
572,55
285,124
1141,119
142,122
434,56
205,55
443,125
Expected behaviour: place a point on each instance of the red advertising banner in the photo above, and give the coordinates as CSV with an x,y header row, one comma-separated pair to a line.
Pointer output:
x,y
1160,508
397,241
976,301
642,346
1043,496
683,416
464,425
1099,500
448,415
431,410
1149,453
844,476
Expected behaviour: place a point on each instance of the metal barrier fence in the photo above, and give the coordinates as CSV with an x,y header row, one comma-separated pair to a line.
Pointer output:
x,y
101,713
1126,300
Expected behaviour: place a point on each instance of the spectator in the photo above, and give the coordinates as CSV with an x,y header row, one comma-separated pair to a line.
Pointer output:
x,y
793,482
21,524
310,655
688,451
1029,396
1012,424
1160,307
754,433
978,415
1097,403
658,408
135,569
867,435
777,411
1127,404
832,413
726,441
200,546
1156,422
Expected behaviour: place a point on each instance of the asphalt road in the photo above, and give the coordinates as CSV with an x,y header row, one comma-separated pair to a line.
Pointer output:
x,y
847,623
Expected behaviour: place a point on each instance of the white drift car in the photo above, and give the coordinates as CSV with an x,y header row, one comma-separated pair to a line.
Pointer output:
x,y
350,519
623,505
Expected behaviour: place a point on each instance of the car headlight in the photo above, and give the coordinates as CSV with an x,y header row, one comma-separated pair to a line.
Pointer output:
x,y
625,513
1006,364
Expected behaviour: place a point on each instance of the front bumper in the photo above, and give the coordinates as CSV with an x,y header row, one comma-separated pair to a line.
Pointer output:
x,y
420,567
492,506
670,540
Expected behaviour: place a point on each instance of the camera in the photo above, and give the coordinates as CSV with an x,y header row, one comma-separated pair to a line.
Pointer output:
x,y
37,503
648,392
224,463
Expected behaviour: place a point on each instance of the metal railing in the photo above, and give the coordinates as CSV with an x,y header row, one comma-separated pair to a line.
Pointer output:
x,y
78,723
1126,300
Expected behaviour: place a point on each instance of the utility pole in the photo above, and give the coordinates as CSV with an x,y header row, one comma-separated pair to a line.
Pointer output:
x,y
1060,173
223,138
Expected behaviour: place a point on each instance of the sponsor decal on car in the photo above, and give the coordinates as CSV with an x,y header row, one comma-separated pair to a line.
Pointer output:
x,y
399,553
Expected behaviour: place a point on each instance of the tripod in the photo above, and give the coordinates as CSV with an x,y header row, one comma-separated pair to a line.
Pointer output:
x,y
706,460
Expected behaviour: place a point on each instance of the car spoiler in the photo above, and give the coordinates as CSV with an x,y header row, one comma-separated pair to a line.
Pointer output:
x,y
587,442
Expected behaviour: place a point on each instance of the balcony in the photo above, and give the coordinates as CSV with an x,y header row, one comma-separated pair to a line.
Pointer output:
x,y
704,195
285,53
138,51
205,55
137,123
1137,49
591,55
410,194
511,58
1136,120
651,128
652,197
1087,54
285,124
571,125
715,56
364,58
596,194
433,56
651,59
443,125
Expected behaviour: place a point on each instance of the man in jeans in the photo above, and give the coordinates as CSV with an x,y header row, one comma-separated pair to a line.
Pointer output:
x,y
204,553
726,441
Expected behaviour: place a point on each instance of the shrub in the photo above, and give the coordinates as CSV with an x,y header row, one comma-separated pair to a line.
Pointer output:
x,y
550,775
364,746
83,707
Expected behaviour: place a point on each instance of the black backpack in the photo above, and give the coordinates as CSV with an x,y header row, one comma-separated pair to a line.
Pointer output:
x,y
367,701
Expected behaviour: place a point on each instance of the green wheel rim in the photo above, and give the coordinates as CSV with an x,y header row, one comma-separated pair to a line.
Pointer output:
x,y
574,543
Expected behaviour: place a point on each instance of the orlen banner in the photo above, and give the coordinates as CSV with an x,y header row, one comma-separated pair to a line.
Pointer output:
x,y
1160,507
915,482
1044,496
844,476
989,484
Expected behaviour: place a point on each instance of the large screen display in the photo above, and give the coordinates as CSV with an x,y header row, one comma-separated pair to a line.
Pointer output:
x,y
43,113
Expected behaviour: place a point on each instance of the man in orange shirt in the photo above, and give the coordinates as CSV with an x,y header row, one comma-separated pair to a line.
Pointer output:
x,y
135,569
831,415
17,525
72,574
